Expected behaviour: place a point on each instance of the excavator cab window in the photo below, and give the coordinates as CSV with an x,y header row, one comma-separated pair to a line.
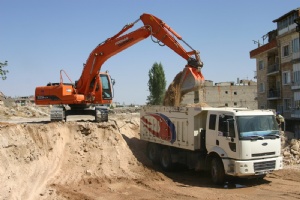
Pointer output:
x,y
106,86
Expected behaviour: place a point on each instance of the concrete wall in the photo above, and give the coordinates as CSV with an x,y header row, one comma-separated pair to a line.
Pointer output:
x,y
220,95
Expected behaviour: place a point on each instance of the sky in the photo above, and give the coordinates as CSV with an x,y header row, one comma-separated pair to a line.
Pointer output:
x,y
39,38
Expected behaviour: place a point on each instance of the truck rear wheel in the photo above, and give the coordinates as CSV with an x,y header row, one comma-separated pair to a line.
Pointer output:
x,y
153,152
217,171
166,160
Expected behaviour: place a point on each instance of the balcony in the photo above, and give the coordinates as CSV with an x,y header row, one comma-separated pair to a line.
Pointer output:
x,y
265,48
295,113
287,29
295,85
273,94
295,56
273,69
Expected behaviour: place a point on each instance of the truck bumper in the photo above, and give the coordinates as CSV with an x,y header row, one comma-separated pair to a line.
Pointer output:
x,y
252,167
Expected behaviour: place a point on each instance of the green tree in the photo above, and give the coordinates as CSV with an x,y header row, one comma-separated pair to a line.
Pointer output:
x,y
156,84
2,71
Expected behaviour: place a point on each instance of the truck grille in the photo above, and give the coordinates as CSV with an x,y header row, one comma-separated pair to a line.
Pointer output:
x,y
267,165
263,154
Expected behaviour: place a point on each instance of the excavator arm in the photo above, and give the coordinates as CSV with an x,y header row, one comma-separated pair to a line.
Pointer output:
x,y
160,33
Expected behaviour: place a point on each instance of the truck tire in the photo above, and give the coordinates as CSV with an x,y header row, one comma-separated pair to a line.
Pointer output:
x,y
217,171
153,152
166,160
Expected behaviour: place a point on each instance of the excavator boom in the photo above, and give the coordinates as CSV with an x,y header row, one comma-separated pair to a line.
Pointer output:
x,y
153,27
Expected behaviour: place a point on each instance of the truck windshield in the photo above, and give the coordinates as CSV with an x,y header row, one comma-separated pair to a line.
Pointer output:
x,y
257,127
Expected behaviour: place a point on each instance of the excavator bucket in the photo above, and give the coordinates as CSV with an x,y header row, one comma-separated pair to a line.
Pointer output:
x,y
191,80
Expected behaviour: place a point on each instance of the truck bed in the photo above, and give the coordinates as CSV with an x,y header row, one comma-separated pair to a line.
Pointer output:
x,y
173,126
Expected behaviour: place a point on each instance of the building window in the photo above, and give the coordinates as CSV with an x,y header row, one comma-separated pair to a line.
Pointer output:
x,y
297,100
286,104
261,65
262,107
235,103
196,96
235,93
295,45
297,77
226,104
285,51
286,78
297,105
296,74
261,87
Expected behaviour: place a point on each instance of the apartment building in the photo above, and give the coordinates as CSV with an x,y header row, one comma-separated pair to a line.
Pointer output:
x,y
278,70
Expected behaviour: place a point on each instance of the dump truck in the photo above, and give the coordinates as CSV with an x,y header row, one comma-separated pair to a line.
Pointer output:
x,y
225,141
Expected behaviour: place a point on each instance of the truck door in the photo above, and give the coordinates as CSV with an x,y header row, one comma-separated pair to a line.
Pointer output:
x,y
221,134
226,136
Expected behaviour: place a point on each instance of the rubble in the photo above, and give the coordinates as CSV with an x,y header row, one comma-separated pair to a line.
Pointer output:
x,y
290,148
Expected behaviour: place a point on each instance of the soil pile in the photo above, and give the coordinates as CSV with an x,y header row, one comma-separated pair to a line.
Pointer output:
x,y
22,111
86,160
63,160
173,95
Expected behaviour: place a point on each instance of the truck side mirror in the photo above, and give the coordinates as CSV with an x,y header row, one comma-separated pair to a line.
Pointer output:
x,y
227,128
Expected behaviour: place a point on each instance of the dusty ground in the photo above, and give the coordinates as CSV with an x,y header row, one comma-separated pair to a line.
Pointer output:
x,y
80,159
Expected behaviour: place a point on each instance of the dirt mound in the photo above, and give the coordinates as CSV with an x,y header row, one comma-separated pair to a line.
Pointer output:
x,y
23,111
85,160
173,95
62,160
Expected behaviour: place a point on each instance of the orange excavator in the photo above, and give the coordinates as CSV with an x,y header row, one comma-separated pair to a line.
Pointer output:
x,y
95,89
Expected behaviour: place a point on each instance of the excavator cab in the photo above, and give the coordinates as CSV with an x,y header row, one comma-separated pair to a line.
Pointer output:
x,y
107,86
103,93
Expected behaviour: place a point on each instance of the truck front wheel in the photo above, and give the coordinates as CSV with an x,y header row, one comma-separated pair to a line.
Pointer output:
x,y
217,171
166,160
